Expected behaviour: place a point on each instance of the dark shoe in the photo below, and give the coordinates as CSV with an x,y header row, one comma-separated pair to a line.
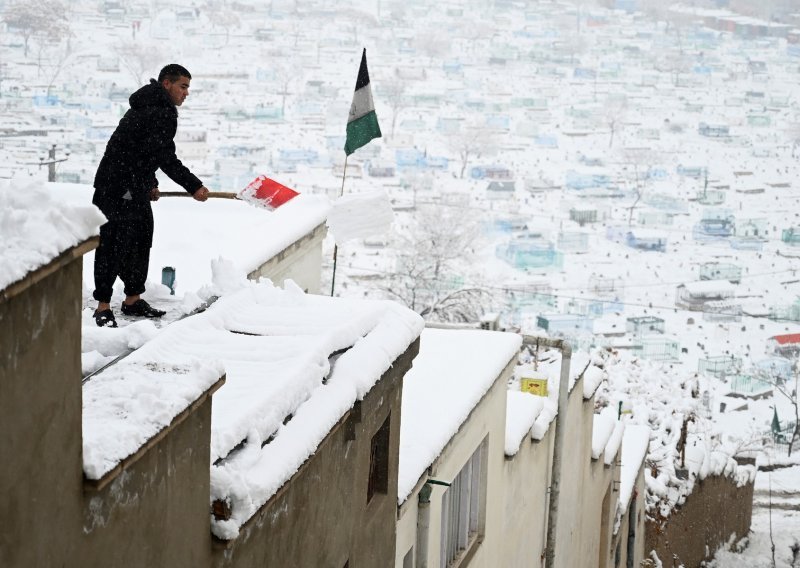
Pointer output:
x,y
105,319
141,309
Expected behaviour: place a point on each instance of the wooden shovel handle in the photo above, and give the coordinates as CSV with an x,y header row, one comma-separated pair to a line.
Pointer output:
x,y
217,194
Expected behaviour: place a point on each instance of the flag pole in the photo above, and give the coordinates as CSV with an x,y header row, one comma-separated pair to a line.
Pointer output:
x,y
335,246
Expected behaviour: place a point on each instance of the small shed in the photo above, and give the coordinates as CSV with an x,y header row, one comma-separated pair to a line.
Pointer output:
x,y
720,271
786,345
644,325
779,368
646,239
719,365
747,386
657,348
649,218
722,310
573,241
500,190
565,324
695,295
791,236
529,254
583,215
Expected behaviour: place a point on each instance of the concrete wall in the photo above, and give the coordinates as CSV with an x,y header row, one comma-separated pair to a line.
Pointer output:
x,y
40,421
301,261
526,478
321,517
588,499
486,422
684,536
154,513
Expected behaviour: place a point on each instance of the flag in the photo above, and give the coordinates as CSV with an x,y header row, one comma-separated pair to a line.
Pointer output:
x,y
362,124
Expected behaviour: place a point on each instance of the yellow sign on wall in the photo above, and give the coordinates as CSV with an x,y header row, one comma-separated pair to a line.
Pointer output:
x,y
534,386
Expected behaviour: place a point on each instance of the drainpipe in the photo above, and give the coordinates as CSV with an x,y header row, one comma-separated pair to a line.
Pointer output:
x,y
558,446
423,525
424,520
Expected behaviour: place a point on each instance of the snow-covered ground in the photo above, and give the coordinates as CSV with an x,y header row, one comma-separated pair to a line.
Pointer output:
x,y
600,118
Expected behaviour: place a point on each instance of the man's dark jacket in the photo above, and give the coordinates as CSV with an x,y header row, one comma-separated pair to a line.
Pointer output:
x,y
142,143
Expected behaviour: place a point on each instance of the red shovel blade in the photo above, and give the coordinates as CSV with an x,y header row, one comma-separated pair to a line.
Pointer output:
x,y
267,193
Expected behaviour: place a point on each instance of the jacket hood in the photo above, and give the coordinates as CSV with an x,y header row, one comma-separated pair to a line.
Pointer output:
x,y
151,95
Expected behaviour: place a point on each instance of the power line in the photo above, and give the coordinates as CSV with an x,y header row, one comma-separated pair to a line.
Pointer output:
x,y
555,295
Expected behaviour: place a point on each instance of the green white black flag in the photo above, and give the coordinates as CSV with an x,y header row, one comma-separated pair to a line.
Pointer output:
x,y
362,124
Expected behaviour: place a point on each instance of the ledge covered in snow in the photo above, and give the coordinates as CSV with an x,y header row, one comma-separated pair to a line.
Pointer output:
x,y
131,402
286,354
35,228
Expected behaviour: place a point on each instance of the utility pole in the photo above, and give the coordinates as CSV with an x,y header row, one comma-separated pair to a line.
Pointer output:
x,y
52,161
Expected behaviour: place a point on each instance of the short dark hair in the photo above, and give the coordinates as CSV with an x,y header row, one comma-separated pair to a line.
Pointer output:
x,y
173,72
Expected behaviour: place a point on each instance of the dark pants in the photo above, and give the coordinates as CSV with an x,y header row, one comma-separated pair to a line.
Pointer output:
x,y
124,249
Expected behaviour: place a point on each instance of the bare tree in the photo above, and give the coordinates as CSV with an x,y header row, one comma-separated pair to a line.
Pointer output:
x,y
223,17
138,59
471,143
44,18
639,160
395,91
51,60
614,115
431,260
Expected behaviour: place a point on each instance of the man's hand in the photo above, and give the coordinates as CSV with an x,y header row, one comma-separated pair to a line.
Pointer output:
x,y
201,194
154,194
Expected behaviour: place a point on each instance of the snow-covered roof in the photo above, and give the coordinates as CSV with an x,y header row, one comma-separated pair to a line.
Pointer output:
x,y
706,287
35,228
275,347
452,372
188,234
129,403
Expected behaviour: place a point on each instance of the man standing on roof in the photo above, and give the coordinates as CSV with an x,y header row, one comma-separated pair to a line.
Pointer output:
x,y
125,185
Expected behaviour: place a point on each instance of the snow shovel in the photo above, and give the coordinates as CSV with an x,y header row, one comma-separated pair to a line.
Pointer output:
x,y
262,192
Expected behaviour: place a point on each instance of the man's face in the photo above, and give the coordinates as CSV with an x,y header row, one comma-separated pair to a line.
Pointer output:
x,y
177,90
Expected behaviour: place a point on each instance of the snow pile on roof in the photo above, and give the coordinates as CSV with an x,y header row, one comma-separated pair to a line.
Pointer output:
x,y
360,215
452,372
548,364
189,233
522,410
602,428
99,345
129,403
277,348
685,446
35,228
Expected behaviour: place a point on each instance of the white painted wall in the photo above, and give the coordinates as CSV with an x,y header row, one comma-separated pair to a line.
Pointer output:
x,y
301,262
487,421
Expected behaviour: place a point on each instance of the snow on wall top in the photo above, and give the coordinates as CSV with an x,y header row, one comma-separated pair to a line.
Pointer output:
x,y
522,410
35,228
635,441
275,346
452,372
667,402
132,401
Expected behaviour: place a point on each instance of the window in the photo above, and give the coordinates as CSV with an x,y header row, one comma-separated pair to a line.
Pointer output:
x,y
463,507
379,462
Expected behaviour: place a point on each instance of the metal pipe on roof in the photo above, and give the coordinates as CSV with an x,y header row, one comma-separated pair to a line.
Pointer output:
x,y
558,445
